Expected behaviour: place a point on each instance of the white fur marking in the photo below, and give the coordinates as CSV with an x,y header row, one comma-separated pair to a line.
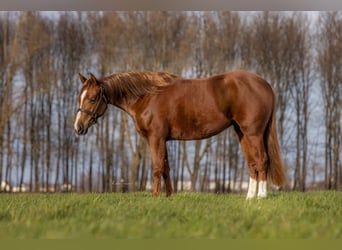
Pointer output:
x,y
79,113
262,189
82,97
252,188
76,120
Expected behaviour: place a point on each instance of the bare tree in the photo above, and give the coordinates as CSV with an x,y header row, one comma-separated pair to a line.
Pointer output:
x,y
301,46
329,65
271,56
40,58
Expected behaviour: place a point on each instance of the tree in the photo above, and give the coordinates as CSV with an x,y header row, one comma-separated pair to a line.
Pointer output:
x,y
329,65
301,46
40,58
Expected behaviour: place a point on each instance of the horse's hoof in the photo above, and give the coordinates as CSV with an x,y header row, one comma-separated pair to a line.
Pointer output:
x,y
155,194
169,194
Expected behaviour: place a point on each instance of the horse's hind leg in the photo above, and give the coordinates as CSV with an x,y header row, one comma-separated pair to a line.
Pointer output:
x,y
253,174
256,157
261,164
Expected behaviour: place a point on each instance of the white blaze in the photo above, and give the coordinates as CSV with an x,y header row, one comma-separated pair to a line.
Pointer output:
x,y
79,113
76,121
82,97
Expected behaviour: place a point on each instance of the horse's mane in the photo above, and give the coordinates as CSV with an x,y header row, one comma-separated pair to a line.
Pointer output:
x,y
136,84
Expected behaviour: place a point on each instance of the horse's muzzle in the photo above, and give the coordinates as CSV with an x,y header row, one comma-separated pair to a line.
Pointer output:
x,y
81,130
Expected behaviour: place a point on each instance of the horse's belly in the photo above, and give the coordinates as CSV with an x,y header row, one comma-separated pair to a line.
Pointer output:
x,y
194,129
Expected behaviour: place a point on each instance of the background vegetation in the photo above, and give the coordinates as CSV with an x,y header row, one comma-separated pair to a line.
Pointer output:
x,y
41,53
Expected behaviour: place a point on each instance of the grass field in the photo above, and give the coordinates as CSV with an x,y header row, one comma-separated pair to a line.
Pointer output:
x,y
315,215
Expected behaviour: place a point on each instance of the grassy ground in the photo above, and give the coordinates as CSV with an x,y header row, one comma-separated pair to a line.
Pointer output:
x,y
186,215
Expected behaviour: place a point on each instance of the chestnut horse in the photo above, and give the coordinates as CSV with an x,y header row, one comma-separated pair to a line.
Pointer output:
x,y
167,107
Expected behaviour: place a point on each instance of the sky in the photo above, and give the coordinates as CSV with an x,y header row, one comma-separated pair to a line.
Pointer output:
x,y
171,5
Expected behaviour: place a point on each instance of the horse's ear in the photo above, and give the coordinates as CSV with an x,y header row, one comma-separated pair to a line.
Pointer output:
x,y
82,78
93,78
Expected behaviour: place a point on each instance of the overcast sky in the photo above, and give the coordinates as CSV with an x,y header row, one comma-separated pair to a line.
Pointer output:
x,y
171,5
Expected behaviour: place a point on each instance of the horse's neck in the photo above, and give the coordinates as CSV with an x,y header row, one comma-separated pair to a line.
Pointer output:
x,y
126,88
121,100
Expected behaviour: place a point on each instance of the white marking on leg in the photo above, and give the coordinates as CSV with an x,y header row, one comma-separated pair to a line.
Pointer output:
x,y
262,189
252,188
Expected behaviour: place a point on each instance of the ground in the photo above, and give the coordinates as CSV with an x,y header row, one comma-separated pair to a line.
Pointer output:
x,y
282,215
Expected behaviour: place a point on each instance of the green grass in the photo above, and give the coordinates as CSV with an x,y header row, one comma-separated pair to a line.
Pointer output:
x,y
315,215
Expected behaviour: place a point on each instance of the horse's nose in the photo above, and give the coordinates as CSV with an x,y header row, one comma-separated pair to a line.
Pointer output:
x,y
79,130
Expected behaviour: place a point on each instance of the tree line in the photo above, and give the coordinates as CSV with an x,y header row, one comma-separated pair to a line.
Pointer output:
x,y
41,54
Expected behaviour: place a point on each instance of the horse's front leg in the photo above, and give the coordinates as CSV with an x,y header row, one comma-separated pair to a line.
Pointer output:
x,y
158,154
166,175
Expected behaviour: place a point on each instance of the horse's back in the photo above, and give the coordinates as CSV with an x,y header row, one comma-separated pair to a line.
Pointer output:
x,y
240,96
235,90
200,108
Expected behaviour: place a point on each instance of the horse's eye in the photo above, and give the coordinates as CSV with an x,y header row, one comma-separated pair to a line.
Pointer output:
x,y
92,100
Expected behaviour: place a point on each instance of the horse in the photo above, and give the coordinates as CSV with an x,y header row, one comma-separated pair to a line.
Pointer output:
x,y
167,107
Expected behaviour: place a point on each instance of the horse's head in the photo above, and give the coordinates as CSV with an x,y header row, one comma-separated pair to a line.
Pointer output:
x,y
92,102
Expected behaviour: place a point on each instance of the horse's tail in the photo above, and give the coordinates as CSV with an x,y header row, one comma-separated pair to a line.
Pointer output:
x,y
275,169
